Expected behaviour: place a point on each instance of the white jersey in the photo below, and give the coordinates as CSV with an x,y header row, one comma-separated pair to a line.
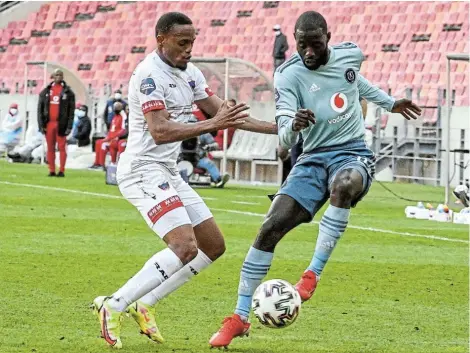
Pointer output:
x,y
154,85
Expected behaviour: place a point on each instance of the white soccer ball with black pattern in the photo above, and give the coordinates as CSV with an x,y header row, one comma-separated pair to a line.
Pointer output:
x,y
276,303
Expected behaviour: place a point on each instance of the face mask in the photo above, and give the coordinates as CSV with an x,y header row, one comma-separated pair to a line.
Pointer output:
x,y
277,32
76,111
13,111
81,114
117,96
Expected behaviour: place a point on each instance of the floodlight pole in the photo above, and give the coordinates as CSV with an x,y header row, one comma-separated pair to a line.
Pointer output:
x,y
458,57
225,143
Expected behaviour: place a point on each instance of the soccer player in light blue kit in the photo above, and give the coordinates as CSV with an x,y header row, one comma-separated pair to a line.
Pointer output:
x,y
317,96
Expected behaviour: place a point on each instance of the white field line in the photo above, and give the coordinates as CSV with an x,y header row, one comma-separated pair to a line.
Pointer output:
x,y
245,203
377,230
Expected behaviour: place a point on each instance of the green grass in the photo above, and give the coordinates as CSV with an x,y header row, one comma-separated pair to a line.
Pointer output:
x,y
379,293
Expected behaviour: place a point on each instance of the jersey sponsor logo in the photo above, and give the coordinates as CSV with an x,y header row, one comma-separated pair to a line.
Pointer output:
x,y
161,209
153,105
314,88
277,96
147,86
172,85
340,118
209,92
339,102
350,75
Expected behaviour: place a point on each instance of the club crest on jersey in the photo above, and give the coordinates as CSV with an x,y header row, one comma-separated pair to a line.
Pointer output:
x,y
164,186
192,83
339,102
350,75
147,86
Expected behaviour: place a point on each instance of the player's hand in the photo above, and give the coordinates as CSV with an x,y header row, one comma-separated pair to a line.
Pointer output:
x,y
68,131
43,130
230,114
302,119
406,108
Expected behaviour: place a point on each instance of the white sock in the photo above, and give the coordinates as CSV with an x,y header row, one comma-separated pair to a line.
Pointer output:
x,y
200,262
156,270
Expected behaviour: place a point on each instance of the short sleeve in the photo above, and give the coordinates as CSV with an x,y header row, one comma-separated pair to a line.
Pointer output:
x,y
151,94
201,89
285,96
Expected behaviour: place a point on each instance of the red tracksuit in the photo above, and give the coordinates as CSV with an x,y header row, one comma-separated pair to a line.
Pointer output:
x,y
111,142
52,129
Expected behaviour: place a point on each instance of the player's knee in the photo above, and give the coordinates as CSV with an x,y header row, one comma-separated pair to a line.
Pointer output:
x,y
186,249
216,249
346,186
270,234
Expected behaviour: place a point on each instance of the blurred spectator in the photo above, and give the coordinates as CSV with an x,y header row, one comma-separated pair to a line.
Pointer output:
x,y
109,110
81,133
219,138
56,107
111,142
31,150
12,126
280,47
75,121
195,151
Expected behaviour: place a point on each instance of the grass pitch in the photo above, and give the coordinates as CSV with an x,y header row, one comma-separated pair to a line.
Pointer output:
x,y
380,292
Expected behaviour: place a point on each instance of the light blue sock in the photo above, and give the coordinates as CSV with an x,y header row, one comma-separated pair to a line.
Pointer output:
x,y
332,226
254,269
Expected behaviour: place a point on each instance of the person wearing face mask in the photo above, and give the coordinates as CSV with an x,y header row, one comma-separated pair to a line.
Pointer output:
x,y
280,47
111,142
10,134
82,130
109,110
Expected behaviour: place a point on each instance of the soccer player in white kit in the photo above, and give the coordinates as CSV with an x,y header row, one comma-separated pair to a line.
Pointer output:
x,y
162,90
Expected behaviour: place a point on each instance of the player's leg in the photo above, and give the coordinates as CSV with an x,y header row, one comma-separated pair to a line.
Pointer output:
x,y
62,144
284,214
51,134
209,238
121,147
165,214
350,181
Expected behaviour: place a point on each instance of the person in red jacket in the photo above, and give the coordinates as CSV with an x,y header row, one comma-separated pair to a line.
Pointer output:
x,y
56,106
111,142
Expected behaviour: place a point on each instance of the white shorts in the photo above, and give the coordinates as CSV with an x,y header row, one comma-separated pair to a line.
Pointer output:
x,y
163,198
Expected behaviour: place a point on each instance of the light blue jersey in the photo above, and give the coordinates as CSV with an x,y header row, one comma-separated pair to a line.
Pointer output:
x,y
331,92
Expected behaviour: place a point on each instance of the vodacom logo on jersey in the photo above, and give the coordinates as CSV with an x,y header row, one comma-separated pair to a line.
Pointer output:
x,y
339,102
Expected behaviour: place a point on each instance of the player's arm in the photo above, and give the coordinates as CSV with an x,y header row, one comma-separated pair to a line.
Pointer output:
x,y
290,120
151,95
374,94
212,104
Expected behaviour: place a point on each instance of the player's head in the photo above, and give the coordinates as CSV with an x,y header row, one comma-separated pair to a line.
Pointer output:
x,y
175,38
58,76
312,37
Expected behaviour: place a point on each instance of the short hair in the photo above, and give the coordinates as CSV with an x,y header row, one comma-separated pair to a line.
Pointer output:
x,y
167,21
311,20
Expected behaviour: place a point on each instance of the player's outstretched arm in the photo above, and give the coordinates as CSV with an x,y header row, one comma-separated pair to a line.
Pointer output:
x,y
164,130
406,108
211,105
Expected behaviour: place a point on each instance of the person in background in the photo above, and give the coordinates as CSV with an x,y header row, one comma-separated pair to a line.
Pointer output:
x,y
11,128
31,150
111,142
109,109
56,106
81,133
207,144
75,121
280,47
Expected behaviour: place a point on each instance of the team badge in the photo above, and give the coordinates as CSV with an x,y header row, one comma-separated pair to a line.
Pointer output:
x,y
147,86
164,186
350,75
192,83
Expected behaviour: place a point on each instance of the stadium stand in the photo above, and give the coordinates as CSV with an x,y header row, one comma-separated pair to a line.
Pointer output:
x,y
103,41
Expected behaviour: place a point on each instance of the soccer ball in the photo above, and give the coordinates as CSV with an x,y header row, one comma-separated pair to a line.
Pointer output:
x,y
276,303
